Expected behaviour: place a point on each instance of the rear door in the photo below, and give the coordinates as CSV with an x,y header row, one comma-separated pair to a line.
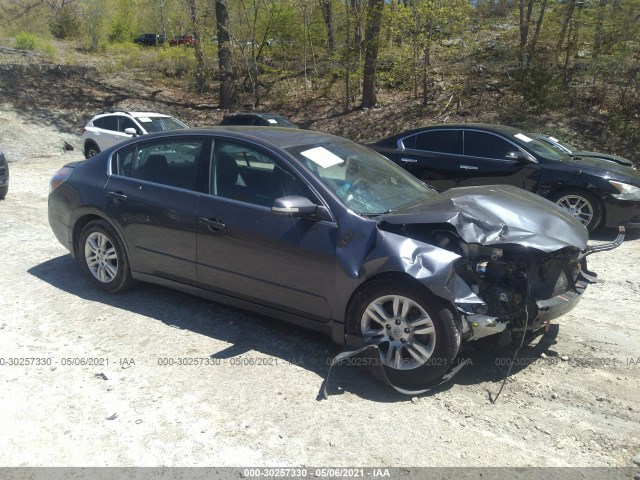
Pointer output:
x,y
432,156
110,130
246,251
488,159
152,196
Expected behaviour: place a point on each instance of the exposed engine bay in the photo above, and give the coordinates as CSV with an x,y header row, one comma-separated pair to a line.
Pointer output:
x,y
517,283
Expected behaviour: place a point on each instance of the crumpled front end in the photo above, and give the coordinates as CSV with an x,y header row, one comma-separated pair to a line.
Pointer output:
x,y
507,272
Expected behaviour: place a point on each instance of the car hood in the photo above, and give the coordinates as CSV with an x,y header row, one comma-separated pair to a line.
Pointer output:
x,y
599,166
498,215
606,156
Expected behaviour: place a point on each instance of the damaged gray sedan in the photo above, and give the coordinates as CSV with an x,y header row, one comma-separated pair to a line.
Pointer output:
x,y
323,233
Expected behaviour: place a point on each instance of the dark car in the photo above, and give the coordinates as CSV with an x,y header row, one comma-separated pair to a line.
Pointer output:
x,y
4,176
324,233
188,40
574,152
598,192
150,39
256,119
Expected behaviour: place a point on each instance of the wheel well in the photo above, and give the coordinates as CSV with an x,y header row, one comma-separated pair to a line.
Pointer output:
x,y
79,226
90,142
399,277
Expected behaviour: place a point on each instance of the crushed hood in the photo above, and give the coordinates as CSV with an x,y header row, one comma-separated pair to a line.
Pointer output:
x,y
498,215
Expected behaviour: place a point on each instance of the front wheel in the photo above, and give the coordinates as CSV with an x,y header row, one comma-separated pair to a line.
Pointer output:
x,y
582,205
415,331
3,191
103,257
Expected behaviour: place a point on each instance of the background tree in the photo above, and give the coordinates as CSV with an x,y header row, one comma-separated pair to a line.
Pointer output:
x,y
228,95
372,42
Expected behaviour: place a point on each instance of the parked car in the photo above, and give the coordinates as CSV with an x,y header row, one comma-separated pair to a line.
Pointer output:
x,y
150,39
574,152
4,176
188,40
256,119
597,192
322,232
110,128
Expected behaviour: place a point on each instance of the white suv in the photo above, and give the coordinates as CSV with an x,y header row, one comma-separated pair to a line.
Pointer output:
x,y
110,128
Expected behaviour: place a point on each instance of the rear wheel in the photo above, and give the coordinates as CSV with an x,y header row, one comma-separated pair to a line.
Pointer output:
x,y
90,150
3,191
582,205
415,331
103,257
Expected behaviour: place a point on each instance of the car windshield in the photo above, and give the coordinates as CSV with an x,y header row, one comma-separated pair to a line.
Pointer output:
x,y
540,148
565,145
365,181
160,124
280,122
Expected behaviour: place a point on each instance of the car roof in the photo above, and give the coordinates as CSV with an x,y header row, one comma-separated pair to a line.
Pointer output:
x,y
279,137
503,129
254,114
135,114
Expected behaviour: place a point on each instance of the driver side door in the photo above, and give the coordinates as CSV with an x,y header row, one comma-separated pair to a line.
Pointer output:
x,y
246,251
485,161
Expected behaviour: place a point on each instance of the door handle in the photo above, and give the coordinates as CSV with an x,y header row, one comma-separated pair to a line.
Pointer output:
x,y
213,223
409,160
117,196
468,167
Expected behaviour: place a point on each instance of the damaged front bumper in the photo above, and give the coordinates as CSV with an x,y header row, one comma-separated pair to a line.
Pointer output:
x,y
537,309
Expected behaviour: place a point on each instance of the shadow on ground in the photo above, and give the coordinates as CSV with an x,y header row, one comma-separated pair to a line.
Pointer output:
x,y
250,332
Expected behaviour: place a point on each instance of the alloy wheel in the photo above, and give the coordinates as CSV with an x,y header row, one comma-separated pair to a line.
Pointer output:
x,y
402,329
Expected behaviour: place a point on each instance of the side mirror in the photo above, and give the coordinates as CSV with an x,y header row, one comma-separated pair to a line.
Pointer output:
x,y
131,131
517,156
294,205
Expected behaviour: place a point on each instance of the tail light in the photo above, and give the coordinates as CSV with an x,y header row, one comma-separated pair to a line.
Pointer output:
x,y
82,130
59,178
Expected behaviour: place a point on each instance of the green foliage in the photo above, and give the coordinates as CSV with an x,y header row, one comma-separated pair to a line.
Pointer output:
x,y
26,41
65,22
29,41
121,28
175,61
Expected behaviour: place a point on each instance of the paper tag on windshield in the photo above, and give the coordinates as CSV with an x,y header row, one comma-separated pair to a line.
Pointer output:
x,y
272,121
523,137
322,157
144,119
554,139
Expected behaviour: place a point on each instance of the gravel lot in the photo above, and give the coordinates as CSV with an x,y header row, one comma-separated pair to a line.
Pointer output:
x,y
573,398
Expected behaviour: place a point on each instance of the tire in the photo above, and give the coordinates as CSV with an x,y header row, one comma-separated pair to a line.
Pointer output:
x,y
429,339
581,204
3,191
90,150
103,257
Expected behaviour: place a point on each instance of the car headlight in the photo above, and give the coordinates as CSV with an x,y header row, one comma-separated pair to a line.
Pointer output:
x,y
627,192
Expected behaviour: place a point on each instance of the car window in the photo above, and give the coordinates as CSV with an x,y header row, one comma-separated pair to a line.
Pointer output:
x,y
107,123
160,124
409,142
126,122
442,141
243,173
486,145
237,120
168,162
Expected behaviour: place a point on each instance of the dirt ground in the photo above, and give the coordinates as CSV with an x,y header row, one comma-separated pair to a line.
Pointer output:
x,y
573,398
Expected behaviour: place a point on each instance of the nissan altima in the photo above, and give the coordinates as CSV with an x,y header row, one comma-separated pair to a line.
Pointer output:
x,y
322,232
598,192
